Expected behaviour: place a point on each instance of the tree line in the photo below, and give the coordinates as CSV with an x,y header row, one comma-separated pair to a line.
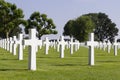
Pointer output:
x,y
99,23
11,17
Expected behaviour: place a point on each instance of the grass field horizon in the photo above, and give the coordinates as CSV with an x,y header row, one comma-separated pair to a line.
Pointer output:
x,y
51,67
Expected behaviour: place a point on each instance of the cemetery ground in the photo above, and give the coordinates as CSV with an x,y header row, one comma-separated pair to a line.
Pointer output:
x,y
51,67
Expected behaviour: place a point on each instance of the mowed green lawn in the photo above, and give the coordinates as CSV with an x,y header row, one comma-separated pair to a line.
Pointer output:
x,y
51,67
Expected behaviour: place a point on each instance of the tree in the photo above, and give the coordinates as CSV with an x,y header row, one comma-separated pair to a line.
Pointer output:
x,y
79,28
68,28
10,19
42,24
104,27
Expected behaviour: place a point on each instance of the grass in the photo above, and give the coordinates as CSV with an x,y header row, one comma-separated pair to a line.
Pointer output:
x,y
51,67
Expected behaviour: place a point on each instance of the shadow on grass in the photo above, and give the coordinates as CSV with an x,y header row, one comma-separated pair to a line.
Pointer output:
x,y
8,59
49,57
1,53
13,69
71,65
108,61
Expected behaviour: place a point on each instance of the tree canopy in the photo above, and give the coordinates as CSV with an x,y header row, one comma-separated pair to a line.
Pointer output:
x,y
99,23
42,24
69,28
79,28
10,19
104,27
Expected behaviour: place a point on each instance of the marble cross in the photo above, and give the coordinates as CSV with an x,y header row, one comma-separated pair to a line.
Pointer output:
x,y
33,43
62,44
10,44
47,43
108,46
20,47
71,45
91,43
115,47
14,45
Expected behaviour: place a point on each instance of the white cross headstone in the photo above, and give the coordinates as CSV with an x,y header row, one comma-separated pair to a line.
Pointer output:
x,y
3,43
67,44
7,44
100,45
10,45
77,45
62,46
40,43
54,42
104,45
71,45
14,45
108,46
118,45
51,44
58,45
115,47
20,47
46,45
33,43
91,43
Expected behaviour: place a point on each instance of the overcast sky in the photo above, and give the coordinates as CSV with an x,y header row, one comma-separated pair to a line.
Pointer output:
x,y
63,10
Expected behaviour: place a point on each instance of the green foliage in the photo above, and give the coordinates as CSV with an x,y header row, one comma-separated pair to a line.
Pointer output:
x,y
83,26
41,23
10,19
51,67
104,27
68,29
79,28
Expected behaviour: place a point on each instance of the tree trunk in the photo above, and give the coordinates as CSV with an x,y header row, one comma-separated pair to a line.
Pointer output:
x,y
39,37
7,34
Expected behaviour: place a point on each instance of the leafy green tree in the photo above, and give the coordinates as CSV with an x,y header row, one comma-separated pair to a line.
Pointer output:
x,y
42,24
10,19
68,28
104,27
79,28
